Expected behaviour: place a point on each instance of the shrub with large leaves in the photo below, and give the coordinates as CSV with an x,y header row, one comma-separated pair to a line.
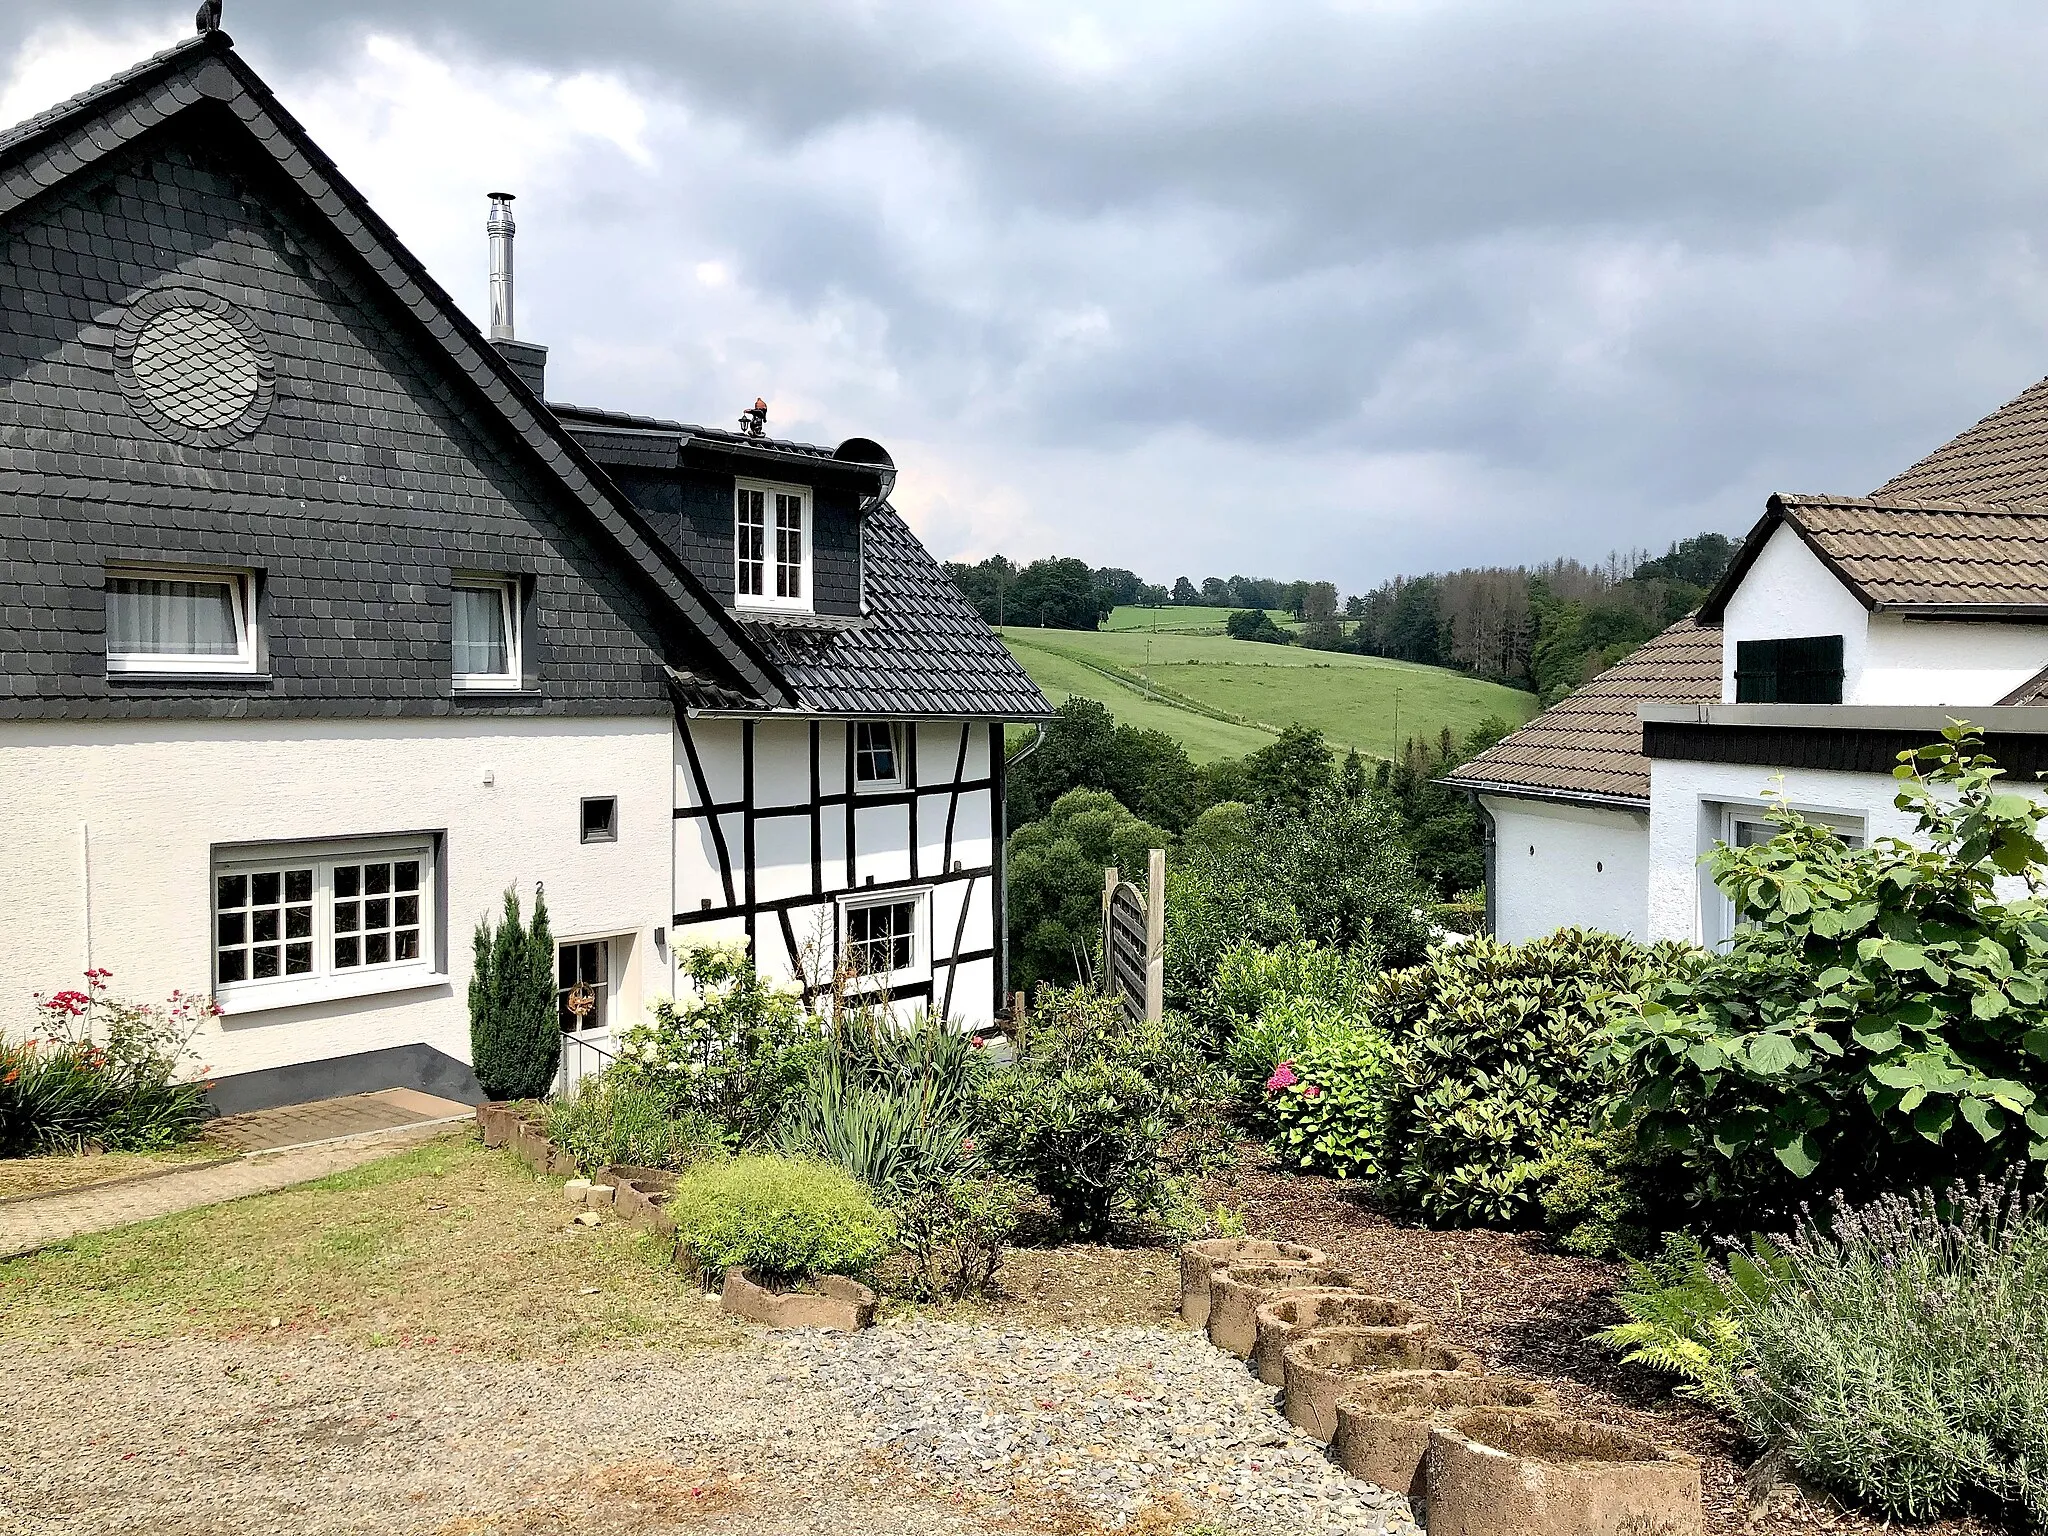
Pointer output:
x,y
1882,1015
1495,1064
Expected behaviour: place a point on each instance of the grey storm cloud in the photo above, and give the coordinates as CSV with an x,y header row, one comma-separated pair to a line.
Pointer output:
x,y
1336,290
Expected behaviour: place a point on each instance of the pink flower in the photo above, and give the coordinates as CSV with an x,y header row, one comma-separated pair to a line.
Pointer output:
x,y
1311,1091
1283,1077
967,1145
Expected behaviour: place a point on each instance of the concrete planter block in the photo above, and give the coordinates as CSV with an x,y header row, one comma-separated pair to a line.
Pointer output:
x,y
494,1122
602,1194
1522,1472
649,1179
1327,1368
1199,1260
837,1303
1237,1293
1294,1315
577,1191
1383,1426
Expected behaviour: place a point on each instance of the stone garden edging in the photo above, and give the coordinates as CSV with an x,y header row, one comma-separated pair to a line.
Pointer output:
x,y
1484,1455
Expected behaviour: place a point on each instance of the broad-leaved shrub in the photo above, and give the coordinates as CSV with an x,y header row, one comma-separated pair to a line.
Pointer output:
x,y
1327,1103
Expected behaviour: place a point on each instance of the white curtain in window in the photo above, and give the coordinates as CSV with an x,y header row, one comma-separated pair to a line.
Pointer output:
x,y
480,640
170,618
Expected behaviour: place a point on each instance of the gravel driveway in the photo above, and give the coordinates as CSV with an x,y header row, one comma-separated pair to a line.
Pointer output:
x,y
924,1430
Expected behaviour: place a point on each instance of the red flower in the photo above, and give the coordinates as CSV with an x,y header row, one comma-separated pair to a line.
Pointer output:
x,y
10,1078
1283,1077
1311,1091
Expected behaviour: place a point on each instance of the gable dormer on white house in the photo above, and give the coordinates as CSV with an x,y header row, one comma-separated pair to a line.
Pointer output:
x,y
1846,630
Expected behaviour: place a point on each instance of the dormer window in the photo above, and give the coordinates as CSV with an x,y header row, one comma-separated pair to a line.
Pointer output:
x,y
1807,670
772,539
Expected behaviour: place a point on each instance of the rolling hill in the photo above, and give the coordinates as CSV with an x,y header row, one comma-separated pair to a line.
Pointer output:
x,y
1221,697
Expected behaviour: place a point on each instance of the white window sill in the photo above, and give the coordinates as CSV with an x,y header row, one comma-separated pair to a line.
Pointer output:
x,y
246,997
758,605
489,685
879,787
196,675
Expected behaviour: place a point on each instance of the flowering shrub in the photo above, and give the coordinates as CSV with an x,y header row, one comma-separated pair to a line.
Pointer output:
x,y
104,1072
1328,1106
730,1045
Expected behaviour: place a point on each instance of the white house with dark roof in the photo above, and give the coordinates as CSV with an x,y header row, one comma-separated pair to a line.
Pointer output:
x,y
1846,630
319,628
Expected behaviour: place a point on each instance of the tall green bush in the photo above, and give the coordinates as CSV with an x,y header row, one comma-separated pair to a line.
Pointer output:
x,y
1881,1017
1263,1004
1327,1102
1055,889
1495,1064
515,1036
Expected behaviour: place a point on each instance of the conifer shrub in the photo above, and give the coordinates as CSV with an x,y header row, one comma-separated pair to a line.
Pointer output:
x,y
515,1035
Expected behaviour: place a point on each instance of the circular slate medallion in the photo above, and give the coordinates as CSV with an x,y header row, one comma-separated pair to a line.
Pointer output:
x,y
194,366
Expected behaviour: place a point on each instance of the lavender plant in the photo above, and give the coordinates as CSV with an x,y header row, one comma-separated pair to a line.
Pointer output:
x,y
1904,1363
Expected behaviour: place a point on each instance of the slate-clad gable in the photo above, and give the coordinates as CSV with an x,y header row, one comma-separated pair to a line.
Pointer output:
x,y
369,481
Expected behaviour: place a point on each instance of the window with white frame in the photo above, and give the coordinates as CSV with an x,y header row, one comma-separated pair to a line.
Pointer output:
x,y
772,545
1750,826
177,621
588,965
883,939
877,755
486,631
322,919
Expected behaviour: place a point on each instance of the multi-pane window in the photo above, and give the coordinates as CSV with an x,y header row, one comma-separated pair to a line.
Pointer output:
x,y
322,915
179,621
881,937
486,633
876,762
587,965
772,546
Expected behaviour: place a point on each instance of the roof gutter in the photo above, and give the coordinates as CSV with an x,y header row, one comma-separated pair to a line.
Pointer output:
x,y
1558,796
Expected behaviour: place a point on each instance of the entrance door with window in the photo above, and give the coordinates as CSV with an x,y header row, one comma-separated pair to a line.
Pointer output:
x,y
585,996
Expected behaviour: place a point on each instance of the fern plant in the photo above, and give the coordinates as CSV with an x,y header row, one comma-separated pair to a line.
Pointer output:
x,y
1688,1315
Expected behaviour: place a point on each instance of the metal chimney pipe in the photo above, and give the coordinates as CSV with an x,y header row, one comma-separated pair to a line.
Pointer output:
x,y
501,230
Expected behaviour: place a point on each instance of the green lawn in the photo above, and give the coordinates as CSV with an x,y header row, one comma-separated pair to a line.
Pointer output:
x,y
1362,701
1190,620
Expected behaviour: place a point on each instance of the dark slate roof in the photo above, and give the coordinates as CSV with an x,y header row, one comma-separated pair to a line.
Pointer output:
x,y
48,149
920,650
587,415
2002,459
1589,746
2033,691
1973,559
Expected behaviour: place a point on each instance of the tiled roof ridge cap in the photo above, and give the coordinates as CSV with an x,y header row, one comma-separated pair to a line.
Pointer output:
x,y
1881,503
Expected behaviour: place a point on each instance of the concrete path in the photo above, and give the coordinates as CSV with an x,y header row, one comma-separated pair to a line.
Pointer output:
x,y
296,1125
26,1225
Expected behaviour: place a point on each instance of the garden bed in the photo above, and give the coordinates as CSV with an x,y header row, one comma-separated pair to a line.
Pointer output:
x,y
1529,1311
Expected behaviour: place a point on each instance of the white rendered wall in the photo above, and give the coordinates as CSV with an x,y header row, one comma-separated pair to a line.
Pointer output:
x,y
1559,865
149,799
1788,594
959,916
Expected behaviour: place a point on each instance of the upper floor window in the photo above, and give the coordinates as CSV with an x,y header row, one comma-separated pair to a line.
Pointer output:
x,y
180,621
486,632
877,755
1802,671
772,543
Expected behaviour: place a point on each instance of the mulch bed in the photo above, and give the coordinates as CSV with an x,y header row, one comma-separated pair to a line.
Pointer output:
x,y
1529,1310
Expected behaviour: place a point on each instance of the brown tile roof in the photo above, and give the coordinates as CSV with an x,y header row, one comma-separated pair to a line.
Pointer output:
x,y
1590,745
2003,458
1895,552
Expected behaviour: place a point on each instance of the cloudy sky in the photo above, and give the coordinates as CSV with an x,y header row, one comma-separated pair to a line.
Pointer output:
x,y
1333,290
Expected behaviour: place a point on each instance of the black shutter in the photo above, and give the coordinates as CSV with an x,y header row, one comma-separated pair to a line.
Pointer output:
x,y
1807,670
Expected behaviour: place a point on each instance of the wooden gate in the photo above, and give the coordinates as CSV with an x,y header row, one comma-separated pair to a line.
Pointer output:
x,y
1134,939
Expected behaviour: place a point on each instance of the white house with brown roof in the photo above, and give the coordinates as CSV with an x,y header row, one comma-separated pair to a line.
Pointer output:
x,y
1846,630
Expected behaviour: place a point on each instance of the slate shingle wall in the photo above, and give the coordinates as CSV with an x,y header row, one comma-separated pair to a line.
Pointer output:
x,y
371,480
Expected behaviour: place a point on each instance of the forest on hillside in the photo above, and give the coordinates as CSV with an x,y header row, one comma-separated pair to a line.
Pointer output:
x,y
1547,628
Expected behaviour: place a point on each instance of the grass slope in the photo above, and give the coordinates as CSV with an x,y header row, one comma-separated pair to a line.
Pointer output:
x,y
1193,620
1363,701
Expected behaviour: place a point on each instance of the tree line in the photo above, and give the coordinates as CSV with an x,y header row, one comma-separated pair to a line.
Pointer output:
x,y
1547,627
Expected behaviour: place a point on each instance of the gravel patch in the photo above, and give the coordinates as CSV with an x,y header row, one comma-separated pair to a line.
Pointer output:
x,y
1114,1420
924,1429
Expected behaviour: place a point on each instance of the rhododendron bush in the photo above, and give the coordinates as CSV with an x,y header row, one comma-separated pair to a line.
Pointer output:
x,y
99,1071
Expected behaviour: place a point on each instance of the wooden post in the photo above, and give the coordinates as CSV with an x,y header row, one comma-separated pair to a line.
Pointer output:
x,y
1155,936
1107,980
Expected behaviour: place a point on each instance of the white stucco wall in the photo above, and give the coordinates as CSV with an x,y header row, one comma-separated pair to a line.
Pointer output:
x,y
1558,865
882,846
143,804
1788,594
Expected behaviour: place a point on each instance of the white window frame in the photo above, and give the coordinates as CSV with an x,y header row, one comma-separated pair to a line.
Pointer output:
x,y
507,589
919,899
326,982
1717,909
897,735
608,996
241,585
807,577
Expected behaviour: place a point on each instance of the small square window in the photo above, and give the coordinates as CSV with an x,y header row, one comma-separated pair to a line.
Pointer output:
x,y
171,622
601,820
877,755
486,632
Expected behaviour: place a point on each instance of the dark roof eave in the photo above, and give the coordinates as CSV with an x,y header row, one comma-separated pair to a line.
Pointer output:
x,y
1533,792
1979,613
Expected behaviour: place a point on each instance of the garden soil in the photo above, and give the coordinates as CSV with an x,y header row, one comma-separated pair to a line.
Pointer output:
x,y
1529,1311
